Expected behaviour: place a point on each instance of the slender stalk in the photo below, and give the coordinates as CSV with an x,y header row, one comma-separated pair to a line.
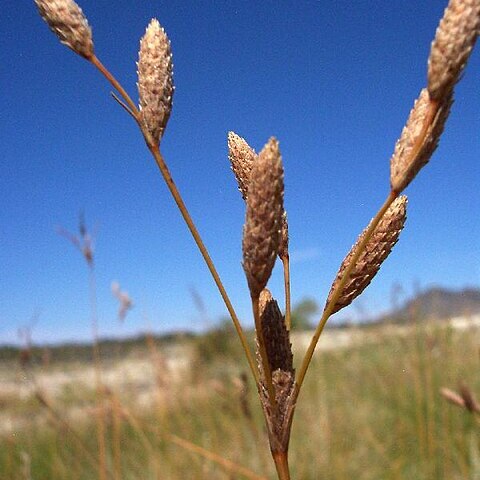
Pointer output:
x,y
115,84
267,372
62,422
430,117
328,311
102,450
117,440
154,149
225,463
286,281
147,444
281,464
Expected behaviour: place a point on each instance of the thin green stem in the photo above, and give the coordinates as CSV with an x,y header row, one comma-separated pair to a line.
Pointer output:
x,y
336,295
203,250
286,280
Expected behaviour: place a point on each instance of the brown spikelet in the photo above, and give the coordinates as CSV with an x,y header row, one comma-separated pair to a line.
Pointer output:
x,y
242,158
66,19
376,251
418,140
279,420
155,79
454,40
275,334
262,230
280,359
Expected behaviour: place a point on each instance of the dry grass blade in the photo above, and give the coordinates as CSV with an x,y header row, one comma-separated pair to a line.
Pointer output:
x,y
155,81
418,140
261,235
228,465
66,19
242,157
454,40
376,251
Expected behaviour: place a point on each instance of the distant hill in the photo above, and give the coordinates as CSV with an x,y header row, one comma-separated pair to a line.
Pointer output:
x,y
437,303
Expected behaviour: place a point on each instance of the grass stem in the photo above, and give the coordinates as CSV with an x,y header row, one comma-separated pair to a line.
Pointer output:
x,y
286,281
331,305
102,449
154,149
206,256
281,464
116,85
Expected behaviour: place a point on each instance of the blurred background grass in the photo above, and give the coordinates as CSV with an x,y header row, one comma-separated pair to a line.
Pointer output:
x,y
369,410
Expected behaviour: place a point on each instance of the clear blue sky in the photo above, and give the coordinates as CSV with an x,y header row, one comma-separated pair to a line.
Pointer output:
x,y
332,80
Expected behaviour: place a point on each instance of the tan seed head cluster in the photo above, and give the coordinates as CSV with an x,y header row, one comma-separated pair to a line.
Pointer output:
x,y
66,19
242,157
418,140
262,231
454,40
155,79
376,251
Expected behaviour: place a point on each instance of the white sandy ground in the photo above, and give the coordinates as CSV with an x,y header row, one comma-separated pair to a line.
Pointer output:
x,y
136,378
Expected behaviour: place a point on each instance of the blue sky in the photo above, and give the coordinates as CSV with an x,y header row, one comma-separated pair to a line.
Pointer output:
x,y
333,81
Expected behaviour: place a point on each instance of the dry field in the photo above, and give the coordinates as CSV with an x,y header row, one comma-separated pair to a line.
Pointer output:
x,y
372,410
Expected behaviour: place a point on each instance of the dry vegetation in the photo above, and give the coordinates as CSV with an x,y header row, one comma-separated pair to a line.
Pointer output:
x,y
354,412
375,411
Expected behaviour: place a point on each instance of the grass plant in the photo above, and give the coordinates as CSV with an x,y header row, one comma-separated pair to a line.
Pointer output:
x,y
265,237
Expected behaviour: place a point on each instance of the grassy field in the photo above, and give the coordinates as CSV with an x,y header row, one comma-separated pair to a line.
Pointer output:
x,y
371,409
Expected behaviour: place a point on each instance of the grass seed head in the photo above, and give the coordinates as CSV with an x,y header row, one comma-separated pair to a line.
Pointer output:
x,y
263,224
376,251
280,360
275,333
454,40
408,158
242,157
155,79
66,19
